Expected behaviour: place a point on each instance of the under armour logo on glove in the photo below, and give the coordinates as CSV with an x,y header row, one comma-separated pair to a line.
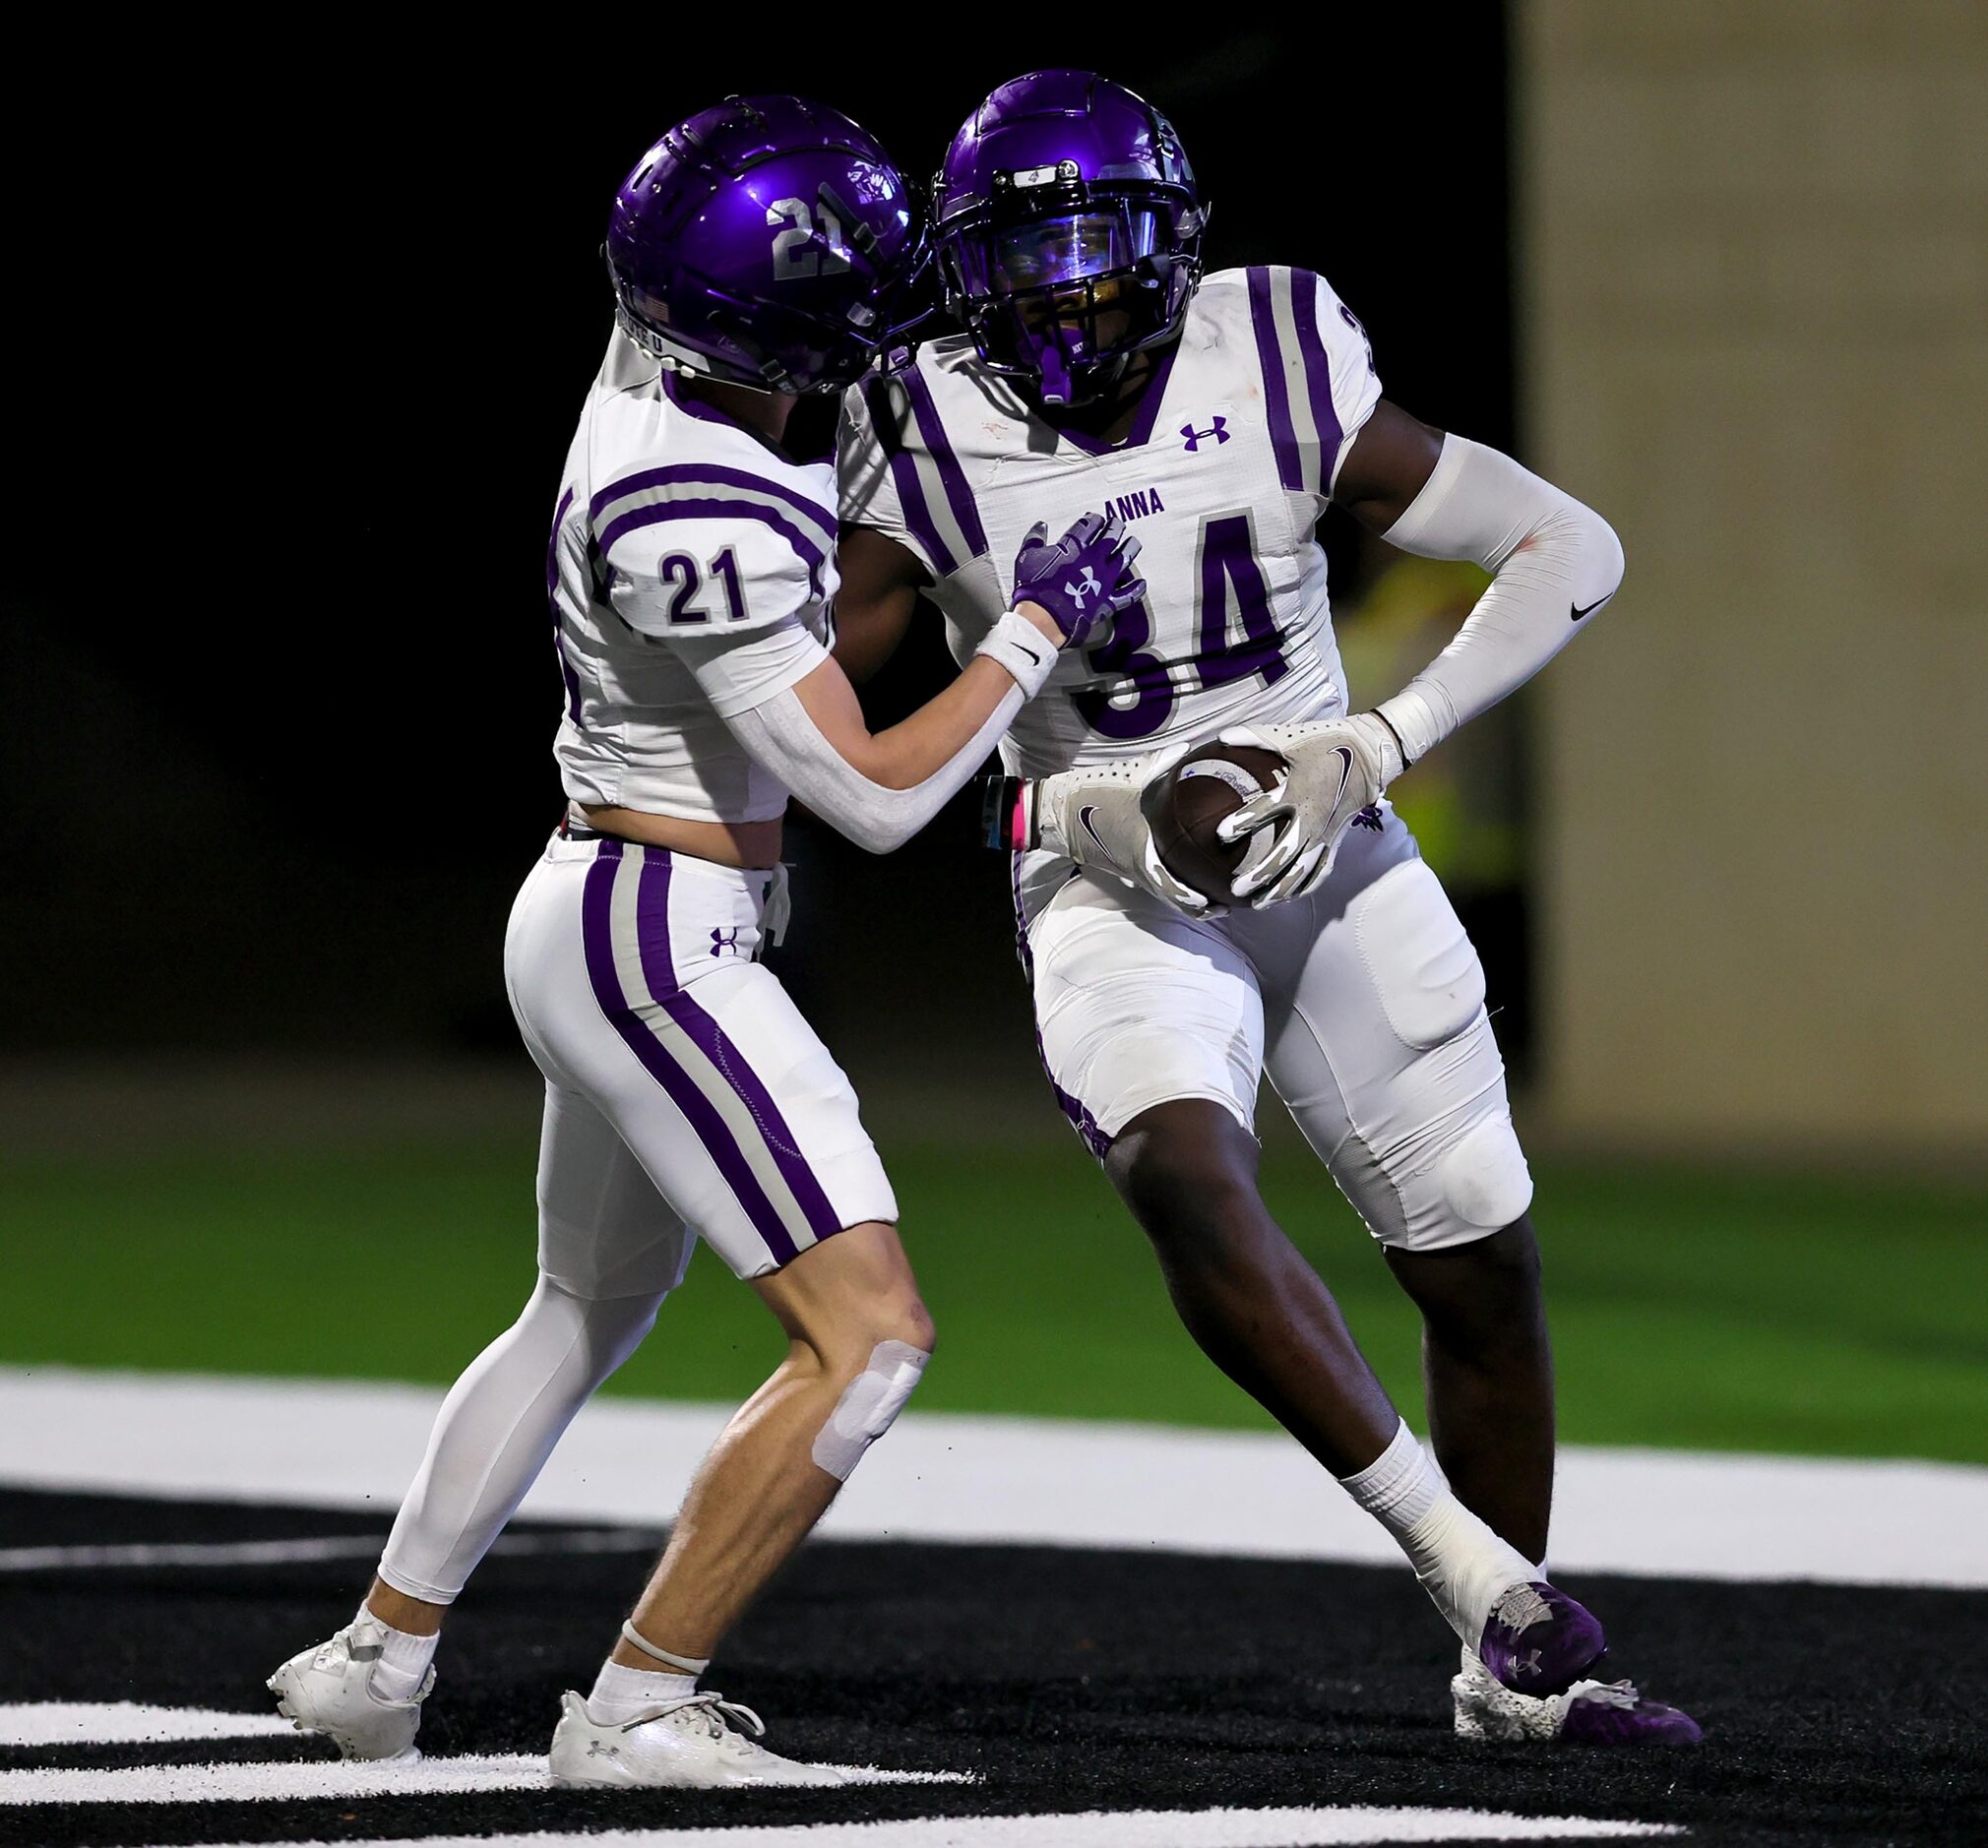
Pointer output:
x,y
1196,438
1081,580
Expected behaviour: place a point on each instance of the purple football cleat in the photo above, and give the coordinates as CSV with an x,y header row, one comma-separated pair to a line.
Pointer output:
x,y
1540,1641
1614,1713
1589,1713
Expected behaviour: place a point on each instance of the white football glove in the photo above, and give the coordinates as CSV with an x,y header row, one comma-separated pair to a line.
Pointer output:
x,y
1096,817
1337,768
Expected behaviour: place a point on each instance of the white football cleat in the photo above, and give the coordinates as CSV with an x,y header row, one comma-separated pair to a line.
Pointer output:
x,y
329,1690
691,1744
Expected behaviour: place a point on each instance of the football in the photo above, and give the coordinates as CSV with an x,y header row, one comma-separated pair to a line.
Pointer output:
x,y
1194,798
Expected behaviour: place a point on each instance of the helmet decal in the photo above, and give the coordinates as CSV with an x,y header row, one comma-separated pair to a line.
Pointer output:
x,y
769,242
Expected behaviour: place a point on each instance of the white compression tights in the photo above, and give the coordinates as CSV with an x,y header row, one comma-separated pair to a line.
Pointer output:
x,y
498,1426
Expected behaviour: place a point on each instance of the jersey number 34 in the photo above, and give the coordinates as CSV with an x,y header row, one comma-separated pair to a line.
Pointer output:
x,y
1231,586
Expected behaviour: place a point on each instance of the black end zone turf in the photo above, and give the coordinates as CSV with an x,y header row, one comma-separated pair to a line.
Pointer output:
x,y
1065,1680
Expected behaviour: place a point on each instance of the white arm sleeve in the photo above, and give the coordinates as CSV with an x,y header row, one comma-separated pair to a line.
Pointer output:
x,y
782,739
1554,563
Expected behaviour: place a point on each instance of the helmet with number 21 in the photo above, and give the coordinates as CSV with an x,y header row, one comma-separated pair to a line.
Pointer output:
x,y
767,242
1069,229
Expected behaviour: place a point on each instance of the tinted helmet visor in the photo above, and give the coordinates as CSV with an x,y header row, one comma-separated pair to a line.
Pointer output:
x,y
1056,252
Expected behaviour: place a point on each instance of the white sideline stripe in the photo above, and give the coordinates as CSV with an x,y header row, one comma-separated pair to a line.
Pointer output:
x,y
1045,1481
287,1781
1096,1828
125,1723
298,1552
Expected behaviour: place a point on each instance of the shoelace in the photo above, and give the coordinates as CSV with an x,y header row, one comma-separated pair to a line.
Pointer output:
x,y
718,1714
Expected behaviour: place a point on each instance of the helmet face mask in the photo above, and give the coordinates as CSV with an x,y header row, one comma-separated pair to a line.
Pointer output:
x,y
1070,232
769,243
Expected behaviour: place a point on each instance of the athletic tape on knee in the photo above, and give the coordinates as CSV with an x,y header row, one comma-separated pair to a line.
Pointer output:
x,y
869,1405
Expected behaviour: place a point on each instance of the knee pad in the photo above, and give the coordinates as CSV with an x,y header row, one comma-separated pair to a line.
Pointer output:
x,y
869,1407
1483,1176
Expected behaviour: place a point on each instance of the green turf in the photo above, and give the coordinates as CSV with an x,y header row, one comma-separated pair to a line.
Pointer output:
x,y
1801,1314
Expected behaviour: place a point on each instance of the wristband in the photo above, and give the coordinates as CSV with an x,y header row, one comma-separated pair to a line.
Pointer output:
x,y
1028,655
1005,819
1415,725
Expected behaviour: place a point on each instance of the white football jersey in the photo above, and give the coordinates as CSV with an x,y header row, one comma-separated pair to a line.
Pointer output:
x,y
678,534
1223,477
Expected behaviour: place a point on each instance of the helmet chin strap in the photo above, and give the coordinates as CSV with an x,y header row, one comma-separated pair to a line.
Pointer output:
x,y
1057,387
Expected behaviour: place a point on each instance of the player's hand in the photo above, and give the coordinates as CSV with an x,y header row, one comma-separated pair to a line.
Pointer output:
x,y
1337,768
1083,578
1097,816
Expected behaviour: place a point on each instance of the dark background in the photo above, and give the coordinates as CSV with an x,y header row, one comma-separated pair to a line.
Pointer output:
x,y
303,359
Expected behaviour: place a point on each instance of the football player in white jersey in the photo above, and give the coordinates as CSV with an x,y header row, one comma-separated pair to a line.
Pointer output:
x,y
1219,417
761,249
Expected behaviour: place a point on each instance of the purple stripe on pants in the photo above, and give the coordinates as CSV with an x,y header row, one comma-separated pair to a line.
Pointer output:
x,y
1080,1120
1277,387
888,426
597,929
932,427
659,975
1318,374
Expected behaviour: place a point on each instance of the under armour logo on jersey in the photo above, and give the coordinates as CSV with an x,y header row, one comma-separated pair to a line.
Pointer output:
x,y
1196,438
1077,593
723,940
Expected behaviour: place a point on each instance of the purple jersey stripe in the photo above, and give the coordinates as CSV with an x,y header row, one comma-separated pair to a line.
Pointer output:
x,y
566,672
658,971
958,497
1277,387
711,474
1080,1120
918,520
597,929
710,507
1318,376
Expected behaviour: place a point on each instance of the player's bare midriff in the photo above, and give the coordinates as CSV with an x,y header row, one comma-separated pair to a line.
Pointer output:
x,y
729,843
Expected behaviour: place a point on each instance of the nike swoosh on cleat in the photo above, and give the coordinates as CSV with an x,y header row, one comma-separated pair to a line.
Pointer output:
x,y
1591,608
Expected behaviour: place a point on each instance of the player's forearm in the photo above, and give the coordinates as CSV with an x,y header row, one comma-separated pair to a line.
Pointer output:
x,y
830,772
921,746
1554,563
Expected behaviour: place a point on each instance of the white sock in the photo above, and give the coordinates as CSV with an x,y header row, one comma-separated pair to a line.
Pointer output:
x,y
404,1658
1462,1564
620,1694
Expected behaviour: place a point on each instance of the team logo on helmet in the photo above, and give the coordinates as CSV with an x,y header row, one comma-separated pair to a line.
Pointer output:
x,y
769,242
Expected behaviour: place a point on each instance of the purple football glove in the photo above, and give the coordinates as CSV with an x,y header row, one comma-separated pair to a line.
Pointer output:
x,y
1085,576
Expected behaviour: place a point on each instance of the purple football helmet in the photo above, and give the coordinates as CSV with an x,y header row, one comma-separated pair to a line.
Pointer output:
x,y
1069,230
767,242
